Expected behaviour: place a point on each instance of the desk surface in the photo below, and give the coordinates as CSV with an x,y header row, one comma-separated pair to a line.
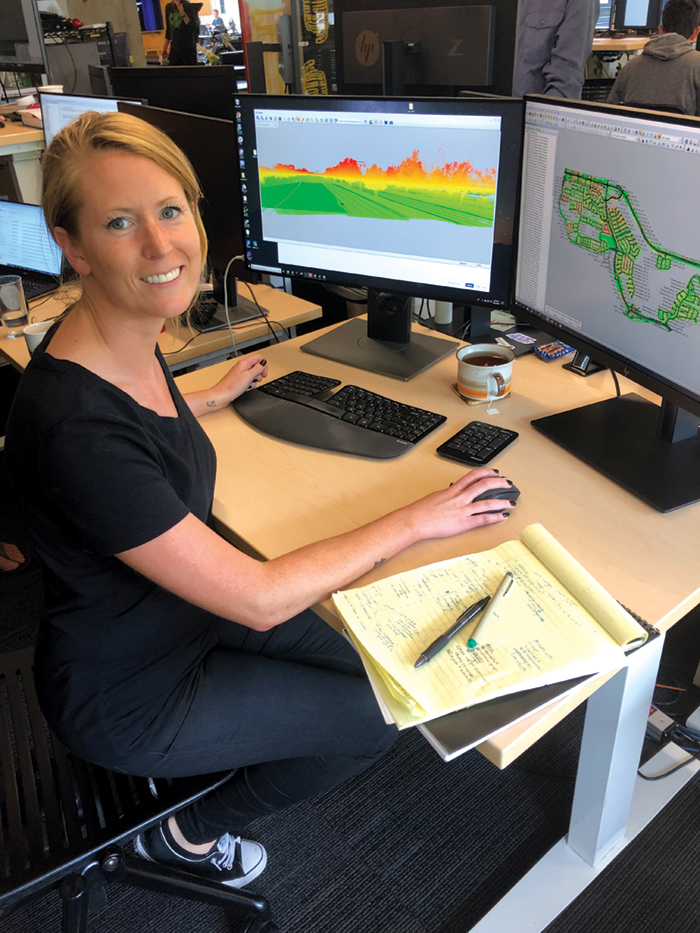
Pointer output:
x,y
620,44
177,342
298,495
16,134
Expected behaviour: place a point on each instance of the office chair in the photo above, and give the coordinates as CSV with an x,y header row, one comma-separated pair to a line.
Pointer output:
x,y
63,822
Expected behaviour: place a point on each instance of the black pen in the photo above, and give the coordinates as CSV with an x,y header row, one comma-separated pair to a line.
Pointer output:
x,y
442,640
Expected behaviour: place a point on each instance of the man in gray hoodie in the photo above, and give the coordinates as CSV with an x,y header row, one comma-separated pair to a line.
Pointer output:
x,y
667,73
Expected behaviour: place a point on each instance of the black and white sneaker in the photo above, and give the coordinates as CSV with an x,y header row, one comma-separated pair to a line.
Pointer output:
x,y
231,860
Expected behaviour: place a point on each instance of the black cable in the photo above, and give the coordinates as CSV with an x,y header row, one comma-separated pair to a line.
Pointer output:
x,y
264,316
617,384
694,757
194,337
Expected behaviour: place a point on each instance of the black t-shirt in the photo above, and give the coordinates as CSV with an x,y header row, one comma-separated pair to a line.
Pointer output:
x,y
94,473
183,36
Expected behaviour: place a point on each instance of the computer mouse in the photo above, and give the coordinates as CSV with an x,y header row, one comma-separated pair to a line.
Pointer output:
x,y
510,493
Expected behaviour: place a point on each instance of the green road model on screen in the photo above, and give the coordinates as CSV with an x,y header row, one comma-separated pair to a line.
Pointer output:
x,y
601,218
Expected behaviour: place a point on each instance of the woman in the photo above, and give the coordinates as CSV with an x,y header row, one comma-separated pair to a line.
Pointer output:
x,y
164,650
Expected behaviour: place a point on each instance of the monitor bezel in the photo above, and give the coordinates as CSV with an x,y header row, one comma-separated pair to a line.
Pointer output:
x,y
500,296
641,375
32,21
652,22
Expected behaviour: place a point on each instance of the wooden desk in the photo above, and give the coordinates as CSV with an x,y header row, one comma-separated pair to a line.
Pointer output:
x,y
645,559
620,44
24,145
177,343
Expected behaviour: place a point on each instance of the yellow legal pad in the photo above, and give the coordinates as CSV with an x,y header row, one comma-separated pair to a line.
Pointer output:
x,y
556,623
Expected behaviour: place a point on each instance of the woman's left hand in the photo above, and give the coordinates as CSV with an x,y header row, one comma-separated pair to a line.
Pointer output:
x,y
246,374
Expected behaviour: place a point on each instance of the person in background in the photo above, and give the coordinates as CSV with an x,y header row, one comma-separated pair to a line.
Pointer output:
x,y
217,24
667,73
181,33
554,41
165,651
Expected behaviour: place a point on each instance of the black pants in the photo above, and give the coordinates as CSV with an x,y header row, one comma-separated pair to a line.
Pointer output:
x,y
290,709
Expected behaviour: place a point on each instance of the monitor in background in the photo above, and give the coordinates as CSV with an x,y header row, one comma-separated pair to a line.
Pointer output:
x,y
605,19
21,37
462,44
28,249
98,75
609,262
637,15
210,144
409,197
58,110
206,90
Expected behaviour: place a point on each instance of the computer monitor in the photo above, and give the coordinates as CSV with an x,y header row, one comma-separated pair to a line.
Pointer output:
x,y
609,263
58,110
637,15
206,90
455,44
605,18
209,144
21,37
409,197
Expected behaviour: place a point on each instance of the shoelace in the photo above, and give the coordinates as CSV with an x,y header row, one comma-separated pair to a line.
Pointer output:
x,y
228,846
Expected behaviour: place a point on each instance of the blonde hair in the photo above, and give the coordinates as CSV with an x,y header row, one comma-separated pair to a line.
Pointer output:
x,y
63,164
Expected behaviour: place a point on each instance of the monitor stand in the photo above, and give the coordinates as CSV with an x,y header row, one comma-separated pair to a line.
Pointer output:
x,y
651,451
384,343
240,309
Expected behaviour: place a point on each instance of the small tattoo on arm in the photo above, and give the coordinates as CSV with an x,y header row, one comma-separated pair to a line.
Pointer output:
x,y
211,404
378,563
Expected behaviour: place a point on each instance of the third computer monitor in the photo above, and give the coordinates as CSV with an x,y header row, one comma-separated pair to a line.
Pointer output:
x,y
609,261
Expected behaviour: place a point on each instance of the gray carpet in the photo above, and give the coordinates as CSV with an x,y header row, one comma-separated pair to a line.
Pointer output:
x,y
416,845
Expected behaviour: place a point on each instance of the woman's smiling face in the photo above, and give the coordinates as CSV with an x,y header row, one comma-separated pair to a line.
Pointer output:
x,y
137,248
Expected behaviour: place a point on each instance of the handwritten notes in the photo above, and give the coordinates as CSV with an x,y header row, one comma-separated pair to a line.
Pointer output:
x,y
557,622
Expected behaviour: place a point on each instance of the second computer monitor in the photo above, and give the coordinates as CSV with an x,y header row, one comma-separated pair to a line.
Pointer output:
x,y
201,89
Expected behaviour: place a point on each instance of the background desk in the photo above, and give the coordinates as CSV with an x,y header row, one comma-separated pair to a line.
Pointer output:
x,y
182,346
23,146
645,559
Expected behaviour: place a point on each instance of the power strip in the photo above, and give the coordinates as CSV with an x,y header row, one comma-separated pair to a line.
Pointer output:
x,y
659,726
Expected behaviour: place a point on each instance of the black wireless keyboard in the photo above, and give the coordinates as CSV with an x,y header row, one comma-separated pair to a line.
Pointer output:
x,y
300,407
476,443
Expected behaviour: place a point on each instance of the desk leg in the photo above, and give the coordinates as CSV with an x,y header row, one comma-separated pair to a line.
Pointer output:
x,y
612,741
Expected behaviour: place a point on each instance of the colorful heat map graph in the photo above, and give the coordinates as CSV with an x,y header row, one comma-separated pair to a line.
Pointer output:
x,y
451,192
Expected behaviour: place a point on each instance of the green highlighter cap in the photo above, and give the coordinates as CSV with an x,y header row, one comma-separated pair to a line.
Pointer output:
x,y
471,643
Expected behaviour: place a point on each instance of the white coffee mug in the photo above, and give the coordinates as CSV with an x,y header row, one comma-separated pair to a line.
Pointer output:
x,y
34,334
484,372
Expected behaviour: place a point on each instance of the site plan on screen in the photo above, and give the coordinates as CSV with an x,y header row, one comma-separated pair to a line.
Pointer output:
x,y
608,245
654,284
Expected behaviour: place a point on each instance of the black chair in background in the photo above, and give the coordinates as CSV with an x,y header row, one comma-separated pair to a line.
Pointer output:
x,y
63,822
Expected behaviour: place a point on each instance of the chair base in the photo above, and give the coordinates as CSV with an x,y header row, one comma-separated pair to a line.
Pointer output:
x,y
80,892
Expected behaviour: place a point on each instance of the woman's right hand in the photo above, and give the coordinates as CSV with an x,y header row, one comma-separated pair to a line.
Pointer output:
x,y
453,511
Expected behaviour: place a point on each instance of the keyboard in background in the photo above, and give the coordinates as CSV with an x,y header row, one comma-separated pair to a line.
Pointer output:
x,y
302,408
208,314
